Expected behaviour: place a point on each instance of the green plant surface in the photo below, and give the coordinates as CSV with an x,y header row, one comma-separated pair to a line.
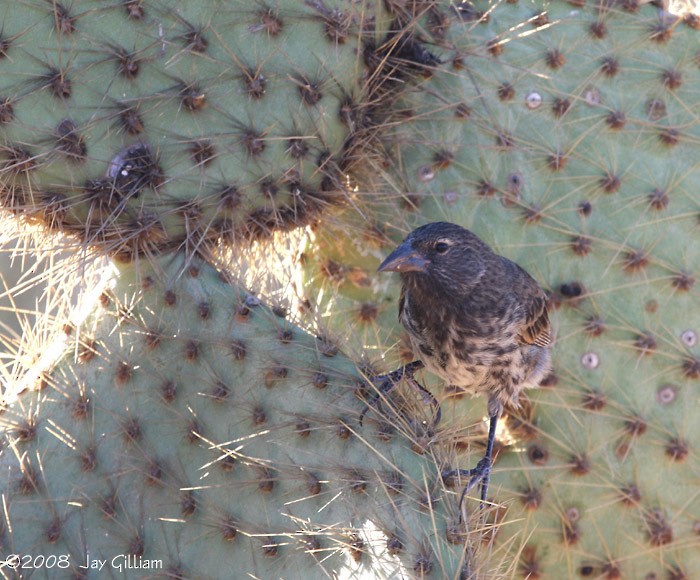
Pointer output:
x,y
189,424
566,136
146,126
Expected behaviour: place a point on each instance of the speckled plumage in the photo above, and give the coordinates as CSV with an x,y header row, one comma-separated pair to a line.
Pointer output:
x,y
474,318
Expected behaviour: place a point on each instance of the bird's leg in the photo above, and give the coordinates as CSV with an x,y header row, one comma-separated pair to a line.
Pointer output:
x,y
482,471
428,398
386,383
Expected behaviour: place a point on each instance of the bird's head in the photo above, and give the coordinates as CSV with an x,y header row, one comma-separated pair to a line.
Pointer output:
x,y
440,254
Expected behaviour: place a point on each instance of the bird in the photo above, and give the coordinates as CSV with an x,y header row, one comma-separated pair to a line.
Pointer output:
x,y
475,319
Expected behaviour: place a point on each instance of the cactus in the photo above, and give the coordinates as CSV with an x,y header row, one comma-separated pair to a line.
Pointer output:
x,y
148,126
567,137
191,427
186,426
189,422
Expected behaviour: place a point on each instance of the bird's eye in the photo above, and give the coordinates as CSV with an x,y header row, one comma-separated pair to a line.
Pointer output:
x,y
441,247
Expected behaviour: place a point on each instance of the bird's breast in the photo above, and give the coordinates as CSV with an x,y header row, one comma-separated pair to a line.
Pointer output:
x,y
456,354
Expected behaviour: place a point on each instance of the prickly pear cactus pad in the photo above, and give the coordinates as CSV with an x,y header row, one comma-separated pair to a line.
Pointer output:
x,y
148,125
566,135
189,424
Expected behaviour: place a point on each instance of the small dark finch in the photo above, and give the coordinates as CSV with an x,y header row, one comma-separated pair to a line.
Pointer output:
x,y
474,318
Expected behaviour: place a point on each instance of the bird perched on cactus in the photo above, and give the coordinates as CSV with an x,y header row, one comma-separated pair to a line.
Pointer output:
x,y
474,318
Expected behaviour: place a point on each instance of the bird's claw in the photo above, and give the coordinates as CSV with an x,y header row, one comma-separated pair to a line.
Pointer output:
x,y
475,474
481,473
482,469
384,384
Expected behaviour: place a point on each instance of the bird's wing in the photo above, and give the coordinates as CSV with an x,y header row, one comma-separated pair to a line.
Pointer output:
x,y
535,325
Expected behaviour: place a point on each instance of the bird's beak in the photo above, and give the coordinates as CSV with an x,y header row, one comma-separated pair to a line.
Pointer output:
x,y
404,259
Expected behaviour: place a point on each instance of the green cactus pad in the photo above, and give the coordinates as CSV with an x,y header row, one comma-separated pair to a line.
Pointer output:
x,y
146,126
566,135
188,423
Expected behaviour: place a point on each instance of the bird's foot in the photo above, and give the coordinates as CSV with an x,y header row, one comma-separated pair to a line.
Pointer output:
x,y
481,473
386,383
